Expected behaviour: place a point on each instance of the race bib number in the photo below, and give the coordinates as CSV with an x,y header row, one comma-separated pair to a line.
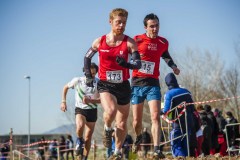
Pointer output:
x,y
147,67
114,76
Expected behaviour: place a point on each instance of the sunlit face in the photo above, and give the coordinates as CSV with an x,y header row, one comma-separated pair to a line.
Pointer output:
x,y
152,28
118,24
93,72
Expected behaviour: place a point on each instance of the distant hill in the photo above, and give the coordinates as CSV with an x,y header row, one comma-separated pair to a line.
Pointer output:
x,y
62,129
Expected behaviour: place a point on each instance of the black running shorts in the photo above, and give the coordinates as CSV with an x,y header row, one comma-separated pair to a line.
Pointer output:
x,y
122,91
89,114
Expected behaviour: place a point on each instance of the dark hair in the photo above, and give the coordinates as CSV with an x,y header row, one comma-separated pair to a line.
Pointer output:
x,y
69,136
93,65
229,114
207,108
151,16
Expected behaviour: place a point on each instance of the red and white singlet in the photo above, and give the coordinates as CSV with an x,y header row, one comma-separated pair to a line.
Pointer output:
x,y
109,70
150,51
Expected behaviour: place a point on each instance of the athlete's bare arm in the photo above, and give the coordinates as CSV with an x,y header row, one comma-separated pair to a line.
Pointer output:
x,y
96,43
132,46
64,96
87,100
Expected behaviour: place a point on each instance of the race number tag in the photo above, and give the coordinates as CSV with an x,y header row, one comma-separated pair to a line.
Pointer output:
x,y
114,76
147,67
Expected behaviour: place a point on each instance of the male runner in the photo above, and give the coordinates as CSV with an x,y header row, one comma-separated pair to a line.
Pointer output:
x,y
86,99
145,81
114,88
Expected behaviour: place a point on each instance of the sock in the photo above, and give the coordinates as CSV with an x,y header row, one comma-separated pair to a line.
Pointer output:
x,y
117,151
156,149
107,128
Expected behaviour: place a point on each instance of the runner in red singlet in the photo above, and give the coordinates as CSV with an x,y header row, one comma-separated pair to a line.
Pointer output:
x,y
145,81
114,88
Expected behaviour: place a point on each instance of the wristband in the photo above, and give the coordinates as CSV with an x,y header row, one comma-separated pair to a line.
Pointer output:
x,y
63,101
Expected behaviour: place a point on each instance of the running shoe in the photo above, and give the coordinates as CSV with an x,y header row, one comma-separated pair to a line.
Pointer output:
x,y
136,144
115,157
158,155
107,138
79,147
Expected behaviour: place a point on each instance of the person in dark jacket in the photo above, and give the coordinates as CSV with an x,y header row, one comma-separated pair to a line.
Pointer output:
x,y
206,129
174,97
69,144
41,148
221,121
62,147
215,129
232,131
146,140
4,149
126,146
53,150
221,135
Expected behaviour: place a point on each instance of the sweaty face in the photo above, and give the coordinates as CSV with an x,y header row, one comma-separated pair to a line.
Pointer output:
x,y
118,24
152,28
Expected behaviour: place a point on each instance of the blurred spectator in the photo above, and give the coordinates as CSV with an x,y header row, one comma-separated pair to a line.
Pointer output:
x,y
215,129
69,144
62,147
126,146
206,129
129,139
232,131
4,149
199,133
146,140
41,148
221,135
53,150
220,120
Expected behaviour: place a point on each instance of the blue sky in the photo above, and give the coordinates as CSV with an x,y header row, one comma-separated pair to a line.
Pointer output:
x,y
48,39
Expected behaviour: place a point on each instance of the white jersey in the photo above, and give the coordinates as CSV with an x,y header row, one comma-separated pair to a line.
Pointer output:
x,y
81,90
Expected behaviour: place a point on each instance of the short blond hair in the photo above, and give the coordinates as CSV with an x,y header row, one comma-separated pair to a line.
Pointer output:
x,y
118,12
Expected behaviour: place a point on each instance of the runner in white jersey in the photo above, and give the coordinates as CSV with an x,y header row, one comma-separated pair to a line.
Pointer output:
x,y
83,91
86,99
